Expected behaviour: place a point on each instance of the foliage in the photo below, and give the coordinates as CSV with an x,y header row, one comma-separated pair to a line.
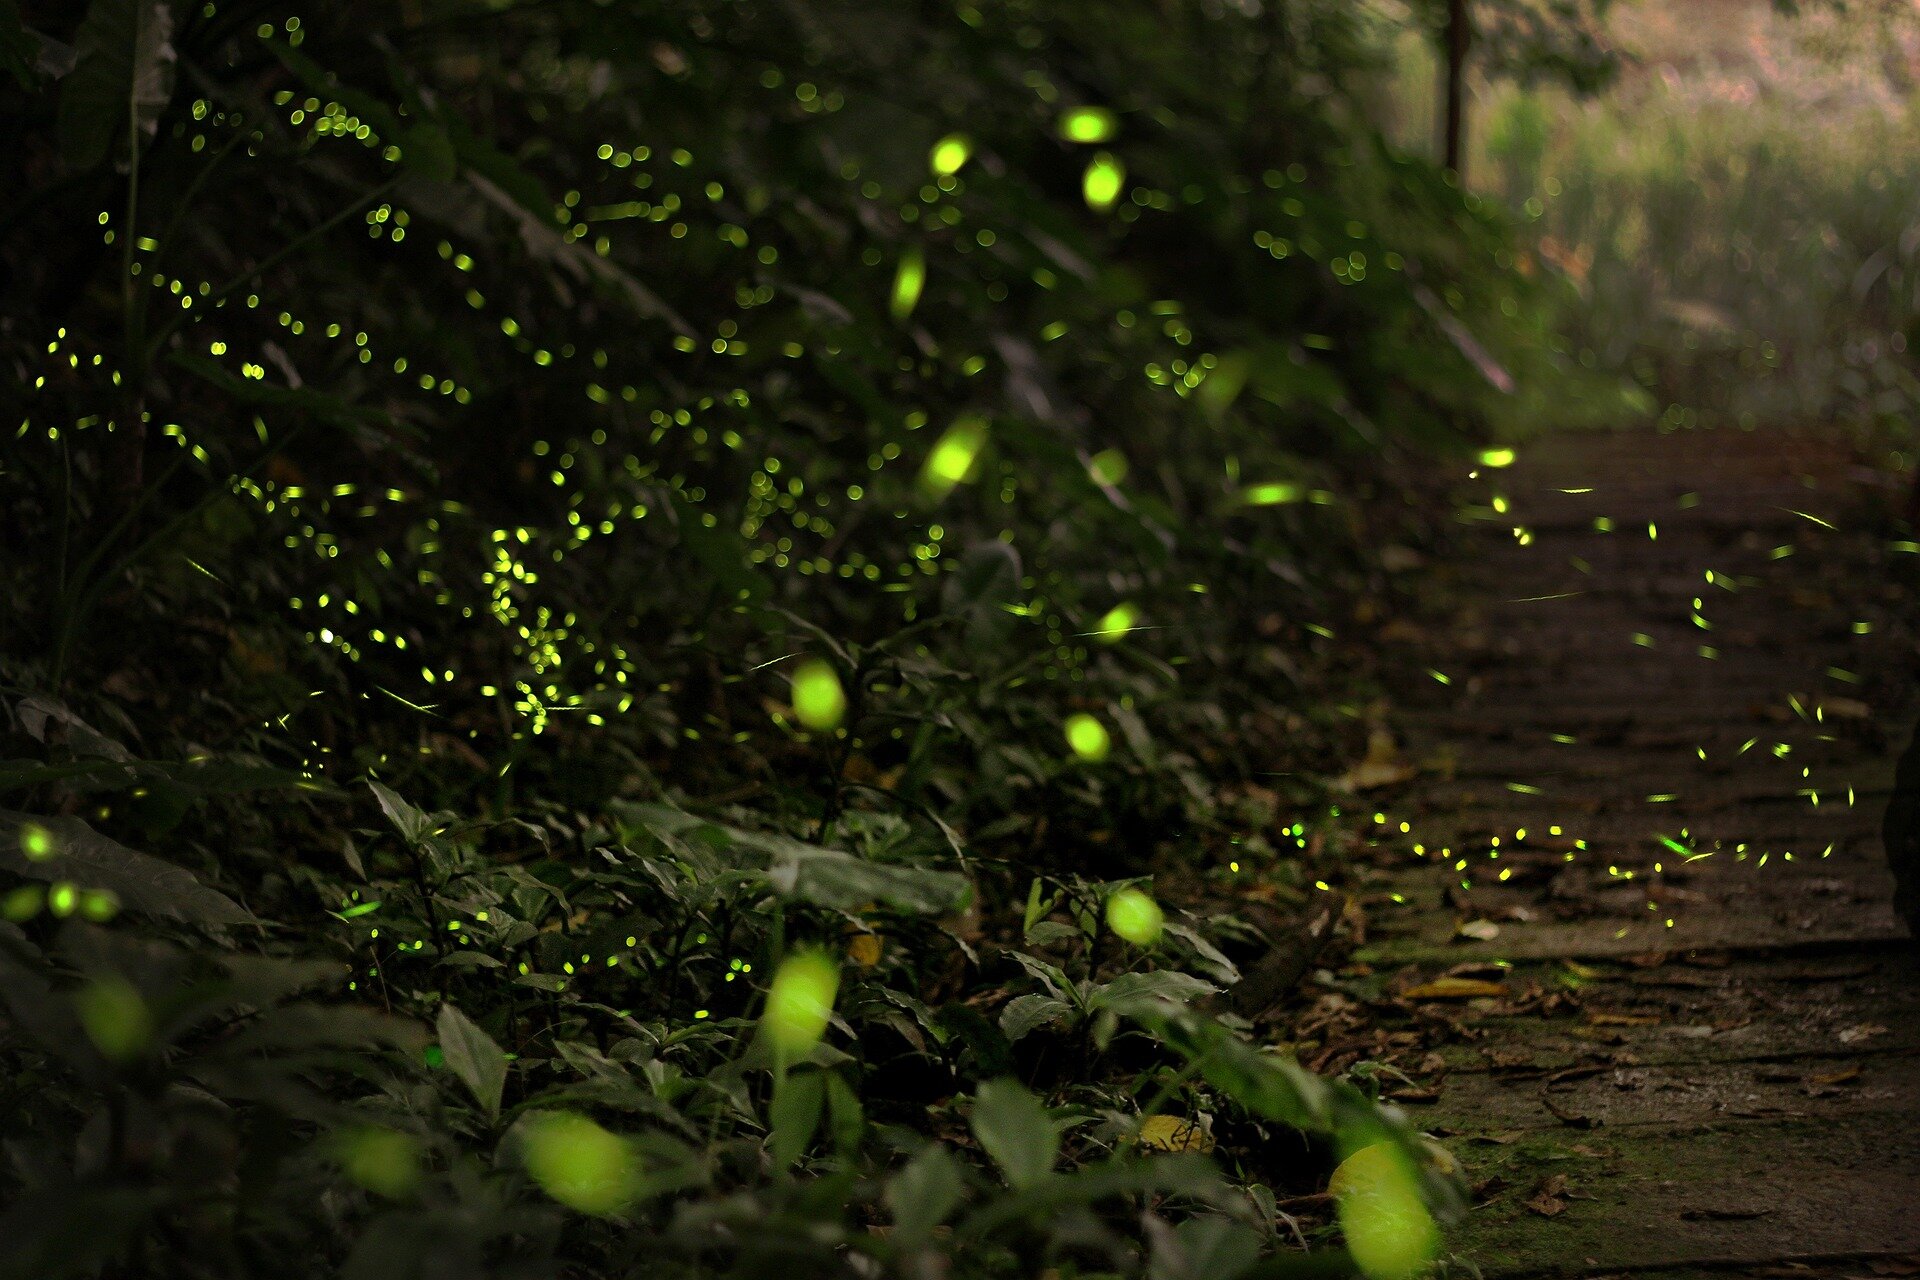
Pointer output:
x,y
548,517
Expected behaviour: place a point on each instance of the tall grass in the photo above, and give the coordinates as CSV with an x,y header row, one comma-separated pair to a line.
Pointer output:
x,y
1739,215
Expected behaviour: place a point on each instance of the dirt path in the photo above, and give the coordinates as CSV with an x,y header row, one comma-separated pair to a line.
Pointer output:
x,y
1704,1053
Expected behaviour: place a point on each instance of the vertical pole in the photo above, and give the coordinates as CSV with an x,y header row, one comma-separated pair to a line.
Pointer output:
x,y
1459,35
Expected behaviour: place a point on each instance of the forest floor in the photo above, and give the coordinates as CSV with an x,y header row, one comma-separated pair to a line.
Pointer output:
x,y
1674,1028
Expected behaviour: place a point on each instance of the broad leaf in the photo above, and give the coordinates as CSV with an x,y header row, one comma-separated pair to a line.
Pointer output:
x,y
1024,1014
1014,1128
799,1099
474,1057
923,1194
123,76
141,882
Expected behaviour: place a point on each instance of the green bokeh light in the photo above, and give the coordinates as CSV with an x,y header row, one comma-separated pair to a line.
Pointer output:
x,y
1273,494
383,1161
1103,180
1088,124
115,1018
36,842
1109,466
1116,622
949,154
800,1002
580,1164
955,456
1497,457
1135,916
1389,1231
908,280
1088,738
819,702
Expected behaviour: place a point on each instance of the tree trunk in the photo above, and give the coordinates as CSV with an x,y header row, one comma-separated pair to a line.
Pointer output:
x,y
1459,35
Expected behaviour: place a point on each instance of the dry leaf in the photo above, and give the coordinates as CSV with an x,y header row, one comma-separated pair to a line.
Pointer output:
x,y
1455,989
1479,930
1170,1133
1382,767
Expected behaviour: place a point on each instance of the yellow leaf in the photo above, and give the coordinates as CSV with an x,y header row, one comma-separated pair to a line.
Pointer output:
x,y
1170,1133
864,949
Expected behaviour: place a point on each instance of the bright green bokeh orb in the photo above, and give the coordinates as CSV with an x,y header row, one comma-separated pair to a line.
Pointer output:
x,y
955,456
1497,457
1088,124
1382,1214
800,1002
580,1164
949,154
1088,738
1115,623
36,842
1135,916
819,702
1102,183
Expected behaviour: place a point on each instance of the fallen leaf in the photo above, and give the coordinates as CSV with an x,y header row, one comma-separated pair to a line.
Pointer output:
x,y
1569,1118
1479,930
1382,766
1457,989
1170,1133
1549,1196
1860,1031
864,949
1601,1018
1823,1079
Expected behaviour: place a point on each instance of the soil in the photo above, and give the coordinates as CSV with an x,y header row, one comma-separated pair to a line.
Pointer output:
x,y
1682,665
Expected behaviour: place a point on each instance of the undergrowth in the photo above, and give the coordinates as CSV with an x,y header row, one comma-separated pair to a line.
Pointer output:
x,y
687,639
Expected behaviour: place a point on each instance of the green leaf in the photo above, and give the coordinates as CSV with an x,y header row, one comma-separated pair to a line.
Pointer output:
x,y
846,1118
123,76
90,860
474,1057
1130,991
799,1099
1028,1013
923,1194
1014,1128
413,825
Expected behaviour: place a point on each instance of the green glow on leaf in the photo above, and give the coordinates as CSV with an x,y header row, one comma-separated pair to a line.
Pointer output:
x,y
799,1003
115,1018
1088,124
819,702
1088,738
1136,917
383,1161
580,1164
1273,494
949,154
1109,466
99,905
36,842
908,280
23,903
1388,1229
62,899
1496,457
1116,622
954,456
1103,180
